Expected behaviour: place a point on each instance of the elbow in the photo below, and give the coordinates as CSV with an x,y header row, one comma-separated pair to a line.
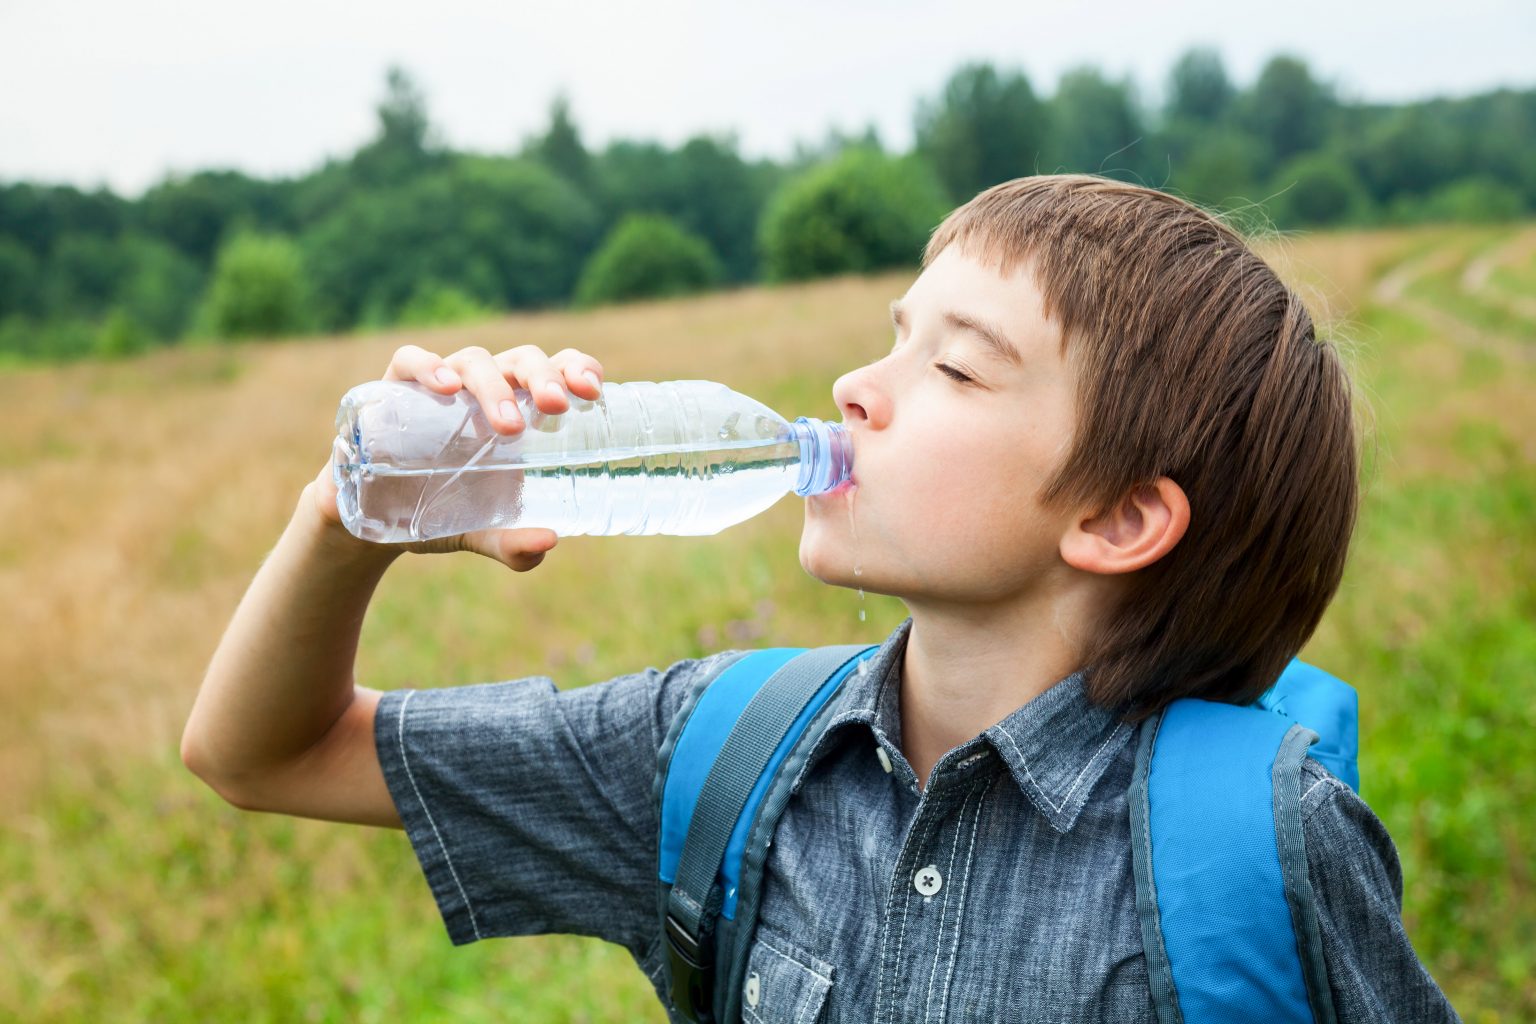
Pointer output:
x,y
196,762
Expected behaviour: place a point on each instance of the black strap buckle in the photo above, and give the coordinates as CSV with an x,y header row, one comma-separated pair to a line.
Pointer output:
x,y
693,974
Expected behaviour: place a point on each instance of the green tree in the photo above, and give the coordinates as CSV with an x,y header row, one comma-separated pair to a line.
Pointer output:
x,y
1097,127
1287,109
259,288
159,288
704,186
1408,150
983,129
647,256
1215,167
83,275
405,145
1198,88
560,148
19,280
506,232
194,212
1317,188
863,211
38,216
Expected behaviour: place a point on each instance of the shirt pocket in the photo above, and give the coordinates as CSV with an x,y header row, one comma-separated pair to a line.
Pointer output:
x,y
784,984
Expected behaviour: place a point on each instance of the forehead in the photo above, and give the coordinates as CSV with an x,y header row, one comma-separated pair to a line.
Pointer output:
x,y
956,281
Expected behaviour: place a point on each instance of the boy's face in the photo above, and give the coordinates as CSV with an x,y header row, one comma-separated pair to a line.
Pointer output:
x,y
947,473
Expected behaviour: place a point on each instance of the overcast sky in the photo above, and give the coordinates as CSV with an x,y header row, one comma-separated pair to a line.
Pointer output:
x,y
120,93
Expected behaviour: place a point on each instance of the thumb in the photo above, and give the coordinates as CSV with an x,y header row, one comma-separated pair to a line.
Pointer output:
x,y
519,549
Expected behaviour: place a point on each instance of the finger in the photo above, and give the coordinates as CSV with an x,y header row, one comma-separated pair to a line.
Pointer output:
x,y
583,374
485,380
412,362
532,369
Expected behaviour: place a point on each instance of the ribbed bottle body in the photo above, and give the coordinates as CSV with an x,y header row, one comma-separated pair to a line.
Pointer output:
x,y
674,457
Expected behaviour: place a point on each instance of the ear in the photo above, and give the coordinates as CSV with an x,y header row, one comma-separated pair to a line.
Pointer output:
x,y
1142,528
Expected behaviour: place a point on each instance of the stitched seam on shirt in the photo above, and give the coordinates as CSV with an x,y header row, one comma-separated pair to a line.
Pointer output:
x,y
978,793
900,939
949,875
448,860
1310,788
785,956
1333,789
960,910
906,897
805,996
1056,809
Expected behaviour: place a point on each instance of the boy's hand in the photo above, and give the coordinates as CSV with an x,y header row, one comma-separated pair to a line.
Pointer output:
x,y
490,379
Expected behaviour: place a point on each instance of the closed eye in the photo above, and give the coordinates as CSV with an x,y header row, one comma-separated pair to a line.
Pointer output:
x,y
953,373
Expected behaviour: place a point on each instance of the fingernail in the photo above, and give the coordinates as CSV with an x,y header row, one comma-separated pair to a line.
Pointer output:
x,y
508,409
447,376
592,378
554,388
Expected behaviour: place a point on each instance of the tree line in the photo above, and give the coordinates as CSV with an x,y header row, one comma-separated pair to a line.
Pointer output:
x,y
407,230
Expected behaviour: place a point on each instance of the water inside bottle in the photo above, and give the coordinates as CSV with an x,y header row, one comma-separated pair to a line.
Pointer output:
x,y
672,488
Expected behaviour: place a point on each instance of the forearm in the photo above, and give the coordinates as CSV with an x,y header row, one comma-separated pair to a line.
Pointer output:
x,y
283,671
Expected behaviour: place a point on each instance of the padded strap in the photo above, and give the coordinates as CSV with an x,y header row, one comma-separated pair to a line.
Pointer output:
x,y
739,771
1213,898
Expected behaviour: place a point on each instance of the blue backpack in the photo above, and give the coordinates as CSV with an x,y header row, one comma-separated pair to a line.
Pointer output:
x,y
1228,918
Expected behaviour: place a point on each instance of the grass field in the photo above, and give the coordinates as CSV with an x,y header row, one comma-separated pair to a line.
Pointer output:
x,y
139,498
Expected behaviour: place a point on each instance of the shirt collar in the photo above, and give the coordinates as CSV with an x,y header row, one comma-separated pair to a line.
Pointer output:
x,y
1056,747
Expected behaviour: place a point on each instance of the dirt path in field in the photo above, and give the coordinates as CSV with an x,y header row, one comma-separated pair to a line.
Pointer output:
x,y
1395,289
1475,279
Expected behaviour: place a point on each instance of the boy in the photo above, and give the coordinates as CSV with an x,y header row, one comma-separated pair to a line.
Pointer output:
x,y
1106,464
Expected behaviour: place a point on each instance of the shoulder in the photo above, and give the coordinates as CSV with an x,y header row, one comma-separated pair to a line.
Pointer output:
x,y
1350,855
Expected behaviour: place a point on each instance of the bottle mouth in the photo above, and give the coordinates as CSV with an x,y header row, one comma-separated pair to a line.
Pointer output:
x,y
826,455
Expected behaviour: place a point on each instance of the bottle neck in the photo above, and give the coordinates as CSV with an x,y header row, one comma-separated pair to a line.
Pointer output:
x,y
826,455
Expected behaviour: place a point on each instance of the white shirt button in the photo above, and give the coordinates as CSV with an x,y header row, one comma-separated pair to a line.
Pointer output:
x,y
885,759
928,880
754,989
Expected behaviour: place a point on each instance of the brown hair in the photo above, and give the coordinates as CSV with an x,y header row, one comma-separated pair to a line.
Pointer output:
x,y
1192,361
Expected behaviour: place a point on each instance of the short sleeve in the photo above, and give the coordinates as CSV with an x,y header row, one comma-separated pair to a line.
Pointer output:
x,y
1372,968
530,808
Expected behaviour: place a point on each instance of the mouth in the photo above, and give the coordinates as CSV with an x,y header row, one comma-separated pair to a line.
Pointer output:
x,y
840,490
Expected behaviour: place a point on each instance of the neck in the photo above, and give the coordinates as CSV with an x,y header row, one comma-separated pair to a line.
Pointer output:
x,y
966,668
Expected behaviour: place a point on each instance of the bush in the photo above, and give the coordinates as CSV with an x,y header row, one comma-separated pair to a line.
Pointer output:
x,y
121,335
258,289
434,303
647,256
24,339
861,212
1479,200
1317,188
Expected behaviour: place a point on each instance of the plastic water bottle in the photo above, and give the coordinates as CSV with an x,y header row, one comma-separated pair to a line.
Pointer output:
x,y
686,457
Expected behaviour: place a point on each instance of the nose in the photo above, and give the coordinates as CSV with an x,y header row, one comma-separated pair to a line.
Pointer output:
x,y
860,400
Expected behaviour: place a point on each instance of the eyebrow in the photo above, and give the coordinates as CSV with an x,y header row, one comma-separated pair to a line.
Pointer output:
x,y
997,343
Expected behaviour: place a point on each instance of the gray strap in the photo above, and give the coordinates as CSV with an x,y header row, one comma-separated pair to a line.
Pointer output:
x,y
1165,998
1291,843
740,763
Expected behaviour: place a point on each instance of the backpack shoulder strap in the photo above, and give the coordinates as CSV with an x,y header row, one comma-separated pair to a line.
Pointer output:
x,y
1228,919
720,756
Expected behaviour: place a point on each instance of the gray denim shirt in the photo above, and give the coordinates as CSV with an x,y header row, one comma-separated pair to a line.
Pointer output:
x,y
1003,892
